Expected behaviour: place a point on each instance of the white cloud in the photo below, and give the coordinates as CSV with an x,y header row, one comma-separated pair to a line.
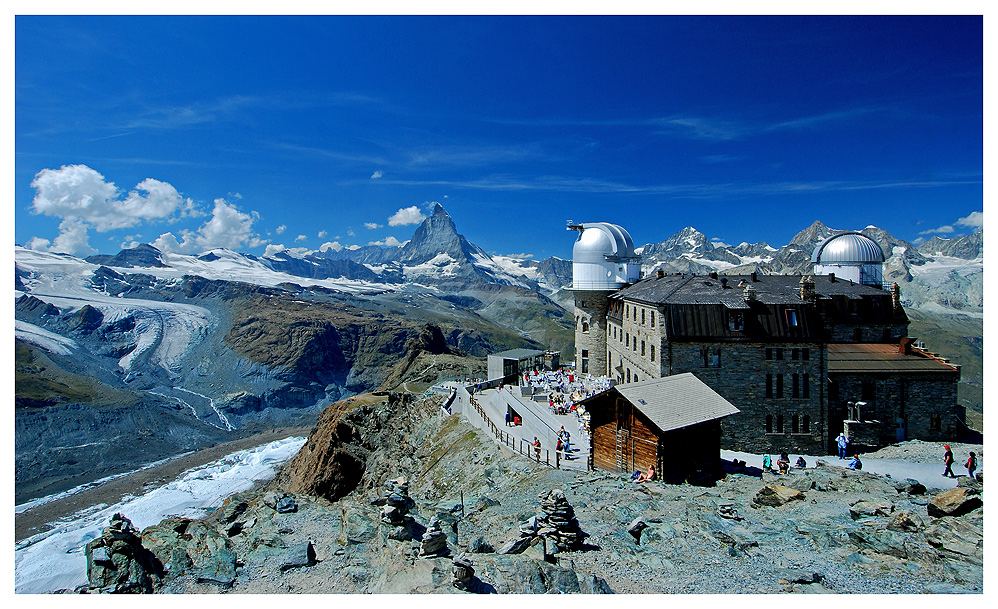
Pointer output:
x,y
376,175
942,230
81,194
975,219
322,234
228,227
389,241
372,225
274,248
301,238
350,233
408,215
918,241
523,256
330,245
280,229
72,239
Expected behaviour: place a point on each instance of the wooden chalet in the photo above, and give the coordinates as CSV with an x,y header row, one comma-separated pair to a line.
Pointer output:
x,y
672,422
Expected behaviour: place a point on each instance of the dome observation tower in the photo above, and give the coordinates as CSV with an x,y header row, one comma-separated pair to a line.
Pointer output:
x,y
852,256
603,261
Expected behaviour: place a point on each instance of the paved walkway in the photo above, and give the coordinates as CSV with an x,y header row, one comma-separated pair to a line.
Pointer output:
x,y
537,421
929,474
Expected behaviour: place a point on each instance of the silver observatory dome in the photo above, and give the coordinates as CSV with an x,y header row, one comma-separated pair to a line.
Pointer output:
x,y
852,256
603,257
848,248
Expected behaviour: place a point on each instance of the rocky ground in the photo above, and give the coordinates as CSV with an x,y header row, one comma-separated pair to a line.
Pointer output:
x,y
433,489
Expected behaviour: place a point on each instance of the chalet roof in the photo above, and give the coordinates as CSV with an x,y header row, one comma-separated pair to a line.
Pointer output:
x,y
677,401
866,357
519,354
769,289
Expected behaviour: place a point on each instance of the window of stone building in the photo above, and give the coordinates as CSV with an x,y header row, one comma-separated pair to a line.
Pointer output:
x,y
585,326
779,385
642,348
805,354
736,322
795,354
652,320
627,311
779,423
716,358
628,375
869,391
652,352
833,392
806,389
779,354
806,424
769,423
795,386
769,385
711,357
857,335
635,377
935,423
791,318
627,338
585,361
769,353
635,348
642,317
886,335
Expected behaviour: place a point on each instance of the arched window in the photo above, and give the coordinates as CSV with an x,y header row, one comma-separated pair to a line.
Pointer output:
x,y
806,424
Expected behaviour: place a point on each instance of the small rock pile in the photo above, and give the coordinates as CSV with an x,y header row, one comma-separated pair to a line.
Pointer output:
x,y
558,521
117,562
462,573
434,541
395,504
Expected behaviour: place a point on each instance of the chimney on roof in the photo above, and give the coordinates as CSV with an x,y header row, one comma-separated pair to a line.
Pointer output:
x,y
749,293
660,273
807,292
831,277
755,276
713,274
724,283
904,347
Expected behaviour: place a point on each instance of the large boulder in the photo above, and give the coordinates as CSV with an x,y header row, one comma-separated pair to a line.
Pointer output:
x,y
955,502
775,495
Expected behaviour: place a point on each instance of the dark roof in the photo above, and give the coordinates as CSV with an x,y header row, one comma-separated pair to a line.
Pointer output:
x,y
769,289
519,354
866,357
677,401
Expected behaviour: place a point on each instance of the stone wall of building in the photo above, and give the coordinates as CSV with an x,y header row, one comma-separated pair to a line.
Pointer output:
x,y
925,402
770,420
590,331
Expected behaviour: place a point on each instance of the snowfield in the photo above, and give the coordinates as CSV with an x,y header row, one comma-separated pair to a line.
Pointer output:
x,y
55,559
50,341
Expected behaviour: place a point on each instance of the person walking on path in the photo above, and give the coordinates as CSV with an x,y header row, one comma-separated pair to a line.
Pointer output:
x,y
971,464
843,443
507,418
948,460
537,448
767,463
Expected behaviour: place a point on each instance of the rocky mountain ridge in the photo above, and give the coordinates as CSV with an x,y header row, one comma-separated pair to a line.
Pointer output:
x,y
435,506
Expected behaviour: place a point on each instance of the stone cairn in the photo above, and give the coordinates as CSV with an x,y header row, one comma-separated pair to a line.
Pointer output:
x,y
556,523
434,541
395,504
462,573
117,562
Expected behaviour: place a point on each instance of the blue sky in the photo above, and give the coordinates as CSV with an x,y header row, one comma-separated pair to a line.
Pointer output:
x,y
257,132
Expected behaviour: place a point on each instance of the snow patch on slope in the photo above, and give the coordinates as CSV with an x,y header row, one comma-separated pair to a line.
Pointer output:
x,y
50,341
